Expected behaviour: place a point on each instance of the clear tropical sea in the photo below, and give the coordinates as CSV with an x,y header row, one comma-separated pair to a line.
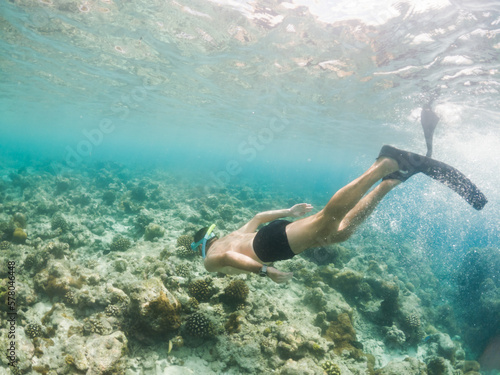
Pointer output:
x,y
287,100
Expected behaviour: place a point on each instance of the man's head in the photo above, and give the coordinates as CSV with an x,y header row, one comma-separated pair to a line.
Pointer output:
x,y
203,238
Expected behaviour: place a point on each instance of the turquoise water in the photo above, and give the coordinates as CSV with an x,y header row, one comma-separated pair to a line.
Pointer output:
x,y
295,98
206,89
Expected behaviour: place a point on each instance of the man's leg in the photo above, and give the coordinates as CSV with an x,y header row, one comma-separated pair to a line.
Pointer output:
x,y
322,228
364,208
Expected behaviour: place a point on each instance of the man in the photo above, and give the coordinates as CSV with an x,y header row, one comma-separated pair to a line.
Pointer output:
x,y
246,250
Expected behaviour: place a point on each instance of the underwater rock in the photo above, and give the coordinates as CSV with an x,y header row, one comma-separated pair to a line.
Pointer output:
x,y
347,282
342,333
139,194
59,222
304,366
439,366
394,337
409,366
24,350
233,323
96,354
6,230
19,236
153,231
19,220
108,197
56,280
143,219
226,212
57,249
62,185
155,308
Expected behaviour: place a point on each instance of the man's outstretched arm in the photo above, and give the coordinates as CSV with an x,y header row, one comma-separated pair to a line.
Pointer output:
x,y
267,216
241,262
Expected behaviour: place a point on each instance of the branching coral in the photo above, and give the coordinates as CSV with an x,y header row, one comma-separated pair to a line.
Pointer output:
x,y
198,325
120,243
33,330
59,222
331,368
236,292
185,241
202,290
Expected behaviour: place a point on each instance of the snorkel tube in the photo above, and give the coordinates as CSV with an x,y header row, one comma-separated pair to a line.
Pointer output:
x,y
204,240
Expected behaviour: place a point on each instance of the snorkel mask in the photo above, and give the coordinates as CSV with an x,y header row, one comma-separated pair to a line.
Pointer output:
x,y
204,240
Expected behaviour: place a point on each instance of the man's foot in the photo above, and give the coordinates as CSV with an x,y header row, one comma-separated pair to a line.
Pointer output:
x,y
409,163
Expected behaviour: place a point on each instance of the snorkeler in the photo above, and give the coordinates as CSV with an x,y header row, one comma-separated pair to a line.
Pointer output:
x,y
247,250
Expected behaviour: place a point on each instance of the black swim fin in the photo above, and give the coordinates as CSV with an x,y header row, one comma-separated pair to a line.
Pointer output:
x,y
456,181
429,121
411,164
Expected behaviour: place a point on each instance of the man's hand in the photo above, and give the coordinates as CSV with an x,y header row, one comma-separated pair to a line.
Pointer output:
x,y
300,209
278,276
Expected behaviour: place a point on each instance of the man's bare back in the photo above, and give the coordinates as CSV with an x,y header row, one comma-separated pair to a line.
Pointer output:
x,y
234,253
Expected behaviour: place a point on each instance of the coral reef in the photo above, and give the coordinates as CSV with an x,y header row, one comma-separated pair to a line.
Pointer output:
x,y
149,305
198,325
155,309
19,236
153,231
201,289
236,292
33,330
331,368
120,243
185,242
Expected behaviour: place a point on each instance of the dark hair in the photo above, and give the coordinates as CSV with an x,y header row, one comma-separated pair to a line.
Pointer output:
x,y
200,234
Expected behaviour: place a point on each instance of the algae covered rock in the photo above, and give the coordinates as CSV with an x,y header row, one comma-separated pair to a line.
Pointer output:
x,y
155,308
96,354
153,231
19,236
409,366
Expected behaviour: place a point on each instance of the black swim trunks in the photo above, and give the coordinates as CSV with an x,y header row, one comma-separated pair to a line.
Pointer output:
x,y
271,243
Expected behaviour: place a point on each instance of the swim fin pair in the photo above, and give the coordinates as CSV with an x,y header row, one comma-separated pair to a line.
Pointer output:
x,y
411,163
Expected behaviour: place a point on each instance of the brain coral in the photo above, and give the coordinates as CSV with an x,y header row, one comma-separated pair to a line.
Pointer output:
x,y
19,235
